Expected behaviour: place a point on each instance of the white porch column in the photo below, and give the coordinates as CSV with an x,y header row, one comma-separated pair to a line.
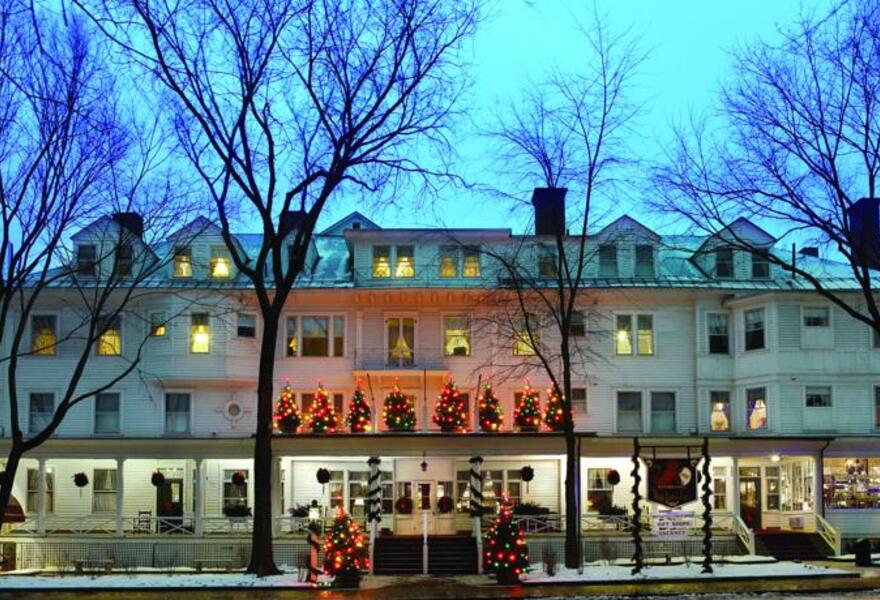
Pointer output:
x,y
374,503
120,496
41,496
197,498
818,484
476,490
277,504
734,493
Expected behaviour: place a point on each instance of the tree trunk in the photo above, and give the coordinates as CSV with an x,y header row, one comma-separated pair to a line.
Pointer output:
x,y
262,558
8,479
572,503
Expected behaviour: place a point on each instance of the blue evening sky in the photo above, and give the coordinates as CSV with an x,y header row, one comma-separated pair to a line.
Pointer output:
x,y
687,43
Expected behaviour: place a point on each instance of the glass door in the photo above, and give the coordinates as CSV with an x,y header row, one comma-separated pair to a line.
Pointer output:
x,y
423,507
750,501
400,341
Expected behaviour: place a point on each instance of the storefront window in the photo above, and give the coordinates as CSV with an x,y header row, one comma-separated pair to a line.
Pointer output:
x,y
719,488
852,483
771,476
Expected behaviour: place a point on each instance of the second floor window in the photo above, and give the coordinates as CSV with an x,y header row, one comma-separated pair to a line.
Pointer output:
x,y
448,261
719,404
526,337
291,345
577,326
124,260
724,263
877,406
644,260
644,337
86,259
579,400
183,266
315,336
471,266
400,341
662,412
756,409
40,411
158,324
109,337
247,325
405,265
44,334
221,264
719,333
608,260
456,336
629,412
382,261
107,413
754,329
177,413
200,333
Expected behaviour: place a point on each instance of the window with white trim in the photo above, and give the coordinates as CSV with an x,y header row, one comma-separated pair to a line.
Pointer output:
x,y
718,327
44,335
608,260
158,324
247,325
644,261
760,267
662,412
724,263
456,336
40,410
107,413
178,407
756,409
235,496
315,335
719,488
123,260
32,493
86,259
471,266
182,266
579,400
448,261
817,396
644,335
104,490
817,327
629,412
200,333
754,329
109,341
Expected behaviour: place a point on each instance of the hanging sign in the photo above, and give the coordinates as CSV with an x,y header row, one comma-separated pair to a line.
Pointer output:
x,y
672,524
672,481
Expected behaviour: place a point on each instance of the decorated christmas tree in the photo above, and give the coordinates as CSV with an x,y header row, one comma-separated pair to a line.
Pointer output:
x,y
322,417
491,415
554,414
527,414
451,412
286,415
359,412
346,551
399,413
504,549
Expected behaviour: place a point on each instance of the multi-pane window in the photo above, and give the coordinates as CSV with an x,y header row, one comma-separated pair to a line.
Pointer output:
x,y
493,489
401,340
315,336
177,413
577,325
40,410
719,333
123,260
109,336
247,325
235,497
86,259
579,400
404,265
387,479
644,260
662,412
514,486
760,266
291,343
158,324
183,265
817,316
456,336
629,412
608,260
339,404
471,266
44,334
719,405
336,488
449,261
644,338
381,261
724,263
33,478
358,490
719,488
104,490
599,492
107,413
771,476
200,333
817,397
526,337
756,409
754,329
547,263
221,264
463,491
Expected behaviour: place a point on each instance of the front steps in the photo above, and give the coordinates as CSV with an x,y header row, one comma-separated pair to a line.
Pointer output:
x,y
791,546
447,555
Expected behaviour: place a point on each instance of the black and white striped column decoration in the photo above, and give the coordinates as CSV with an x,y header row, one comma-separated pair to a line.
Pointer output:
x,y
374,493
476,487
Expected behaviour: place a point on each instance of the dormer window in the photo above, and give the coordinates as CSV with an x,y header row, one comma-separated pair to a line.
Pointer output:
x,y
724,263
448,261
381,261
644,261
221,265
124,260
183,262
356,225
471,267
608,260
405,265
760,267
547,263
86,259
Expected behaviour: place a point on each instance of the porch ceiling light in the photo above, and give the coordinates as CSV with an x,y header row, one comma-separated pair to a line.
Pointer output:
x,y
775,457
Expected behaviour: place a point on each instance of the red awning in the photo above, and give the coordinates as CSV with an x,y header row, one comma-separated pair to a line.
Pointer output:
x,y
14,513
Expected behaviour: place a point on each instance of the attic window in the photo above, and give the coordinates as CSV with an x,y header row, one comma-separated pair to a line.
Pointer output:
x,y
644,260
760,267
608,260
381,261
724,263
124,260
448,261
183,262
86,259
356,225
220,263
405,266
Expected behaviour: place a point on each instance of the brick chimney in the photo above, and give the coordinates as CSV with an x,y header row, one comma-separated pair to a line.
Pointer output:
x,y
864,230
549,206
132,221
290,220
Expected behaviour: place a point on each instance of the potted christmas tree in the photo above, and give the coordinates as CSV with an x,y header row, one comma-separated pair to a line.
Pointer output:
x,y
359,412
399,413
346,551
504,548
491,415
286,415
323,418
451,413
554,414
527,414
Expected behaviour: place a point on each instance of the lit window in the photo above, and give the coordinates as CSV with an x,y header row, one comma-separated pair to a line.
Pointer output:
x,y
577,327
107,413
579,400
719,488
200,333
124,260
86,259
109,337
177,413
724,263
247,325
400,341
629,412
644,260
448,261
291,344
44,334
644,340
817,397
526,337
760,267
719,333
547,266
608,260
381,261
472,267
719,418
405,265
33,476
599,491
456,336
754,330
183,262
756,409
315,336
104,490
221,265
662,412
623,337
40,411
645,334
158,325
235,497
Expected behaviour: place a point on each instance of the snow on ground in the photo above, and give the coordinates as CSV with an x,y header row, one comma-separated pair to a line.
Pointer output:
x,y
597,573
165,580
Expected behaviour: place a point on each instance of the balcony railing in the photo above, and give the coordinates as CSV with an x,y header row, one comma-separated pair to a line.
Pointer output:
x,y
416,359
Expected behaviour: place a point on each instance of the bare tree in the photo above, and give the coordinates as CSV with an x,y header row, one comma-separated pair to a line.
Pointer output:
x,y
280,106
68,157
572,134
795,145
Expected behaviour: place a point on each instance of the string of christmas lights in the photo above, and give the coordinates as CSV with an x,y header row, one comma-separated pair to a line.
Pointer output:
x,y
527,414
322,417
399,413
450,412
491,415
554,414
359,412
504,547
346,552
286,417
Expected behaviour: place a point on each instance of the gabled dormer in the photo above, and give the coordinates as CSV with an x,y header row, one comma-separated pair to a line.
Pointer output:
x,y
198,251
626,248
112,245
725,255
355,221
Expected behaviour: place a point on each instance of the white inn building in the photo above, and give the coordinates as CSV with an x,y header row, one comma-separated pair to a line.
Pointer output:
x,y
683,339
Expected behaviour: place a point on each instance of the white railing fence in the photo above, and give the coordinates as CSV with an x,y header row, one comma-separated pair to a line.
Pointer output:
x,y
829,534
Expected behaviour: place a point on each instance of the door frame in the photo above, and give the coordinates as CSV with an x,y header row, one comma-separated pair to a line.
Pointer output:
x,y
759,508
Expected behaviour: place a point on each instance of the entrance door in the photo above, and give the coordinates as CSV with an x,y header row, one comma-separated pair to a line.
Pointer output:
x,y
423,507
750,501
169,504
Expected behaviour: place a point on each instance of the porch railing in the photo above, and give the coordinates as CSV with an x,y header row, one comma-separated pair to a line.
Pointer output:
x,y
829,534
738,527
383,358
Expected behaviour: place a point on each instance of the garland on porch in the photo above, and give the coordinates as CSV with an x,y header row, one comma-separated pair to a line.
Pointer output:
x,y
554,414
359,411
491,415
707,508
322,417
450,412
638,556
346,551
286,416
505,550
527,414
399,413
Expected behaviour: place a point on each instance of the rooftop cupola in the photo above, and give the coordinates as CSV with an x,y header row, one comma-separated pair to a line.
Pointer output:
x,y
549,206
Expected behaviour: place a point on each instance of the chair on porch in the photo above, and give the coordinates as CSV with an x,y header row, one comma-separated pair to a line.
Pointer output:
x,y
143,522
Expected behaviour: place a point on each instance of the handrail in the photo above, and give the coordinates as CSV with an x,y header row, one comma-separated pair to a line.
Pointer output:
x,y
744,533
829,534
